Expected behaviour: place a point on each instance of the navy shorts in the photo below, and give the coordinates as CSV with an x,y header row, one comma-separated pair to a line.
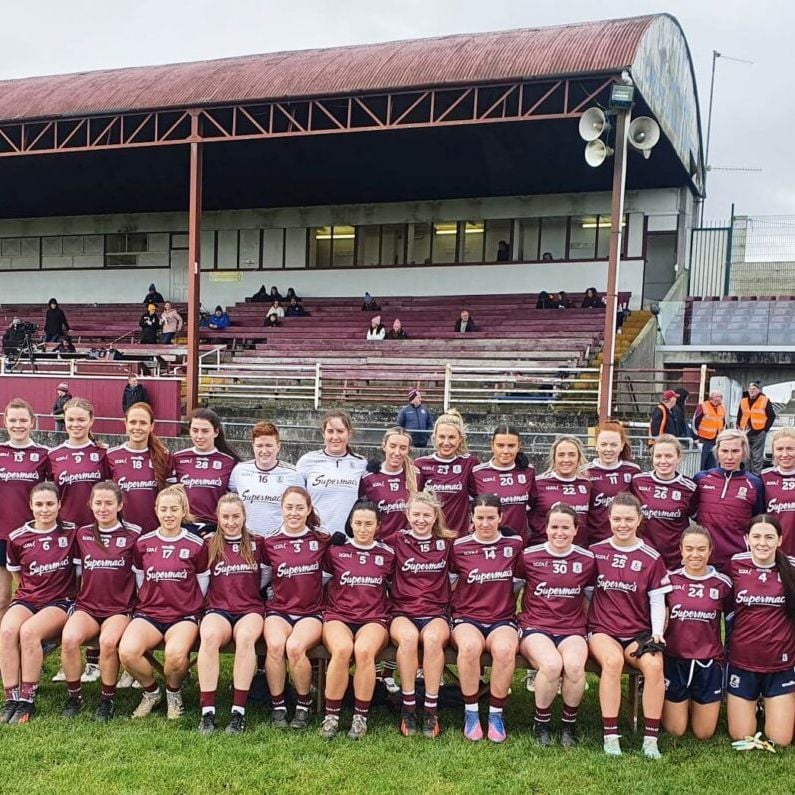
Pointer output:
x,y
67,605
623,642
421,623
750,685
291,618
700,681
484,629
164,626
100,619
525,632
3,553
232,618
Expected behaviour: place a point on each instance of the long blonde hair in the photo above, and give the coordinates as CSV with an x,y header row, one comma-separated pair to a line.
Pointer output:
x,y
216,548
409,470
440,528
454,418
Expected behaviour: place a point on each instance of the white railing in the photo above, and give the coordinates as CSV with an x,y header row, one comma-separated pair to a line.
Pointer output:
x,y
577,387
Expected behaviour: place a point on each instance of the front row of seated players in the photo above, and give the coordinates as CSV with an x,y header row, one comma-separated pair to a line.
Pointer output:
x,y
105,583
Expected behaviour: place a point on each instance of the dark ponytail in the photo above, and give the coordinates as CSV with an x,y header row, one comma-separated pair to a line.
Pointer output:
x,y
521,461
220,440
362,505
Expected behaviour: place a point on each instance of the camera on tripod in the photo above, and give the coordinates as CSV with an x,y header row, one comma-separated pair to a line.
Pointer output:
x,y
26,328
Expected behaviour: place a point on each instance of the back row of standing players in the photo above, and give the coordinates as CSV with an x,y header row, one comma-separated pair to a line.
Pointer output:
x,y
722,499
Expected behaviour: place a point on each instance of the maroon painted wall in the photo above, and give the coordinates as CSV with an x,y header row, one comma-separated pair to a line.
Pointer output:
x,y
103,392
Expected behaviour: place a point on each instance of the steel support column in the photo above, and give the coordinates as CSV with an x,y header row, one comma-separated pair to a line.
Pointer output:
x,y
194,263
614,257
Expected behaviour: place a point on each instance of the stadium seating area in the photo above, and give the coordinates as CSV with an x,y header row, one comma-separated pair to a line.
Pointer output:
x,y
768,320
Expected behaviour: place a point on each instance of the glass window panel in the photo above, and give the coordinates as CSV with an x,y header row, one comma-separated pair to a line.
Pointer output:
x,y
52,246
553,237
320,247
227,249
528,240
445,240
11,247
73,244
582,238
393,244
344,244
496,232
92,244
420,244
248,257
29,246
472,248
368,242
179,241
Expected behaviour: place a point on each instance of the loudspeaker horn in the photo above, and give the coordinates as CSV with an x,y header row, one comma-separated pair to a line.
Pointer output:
x,y
644,133
596,152
592,124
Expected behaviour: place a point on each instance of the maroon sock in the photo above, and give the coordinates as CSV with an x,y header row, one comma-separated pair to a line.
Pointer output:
x,y
27,691
170,689
333,706
410,702
497,702
609,725
305,700
569,713
151,688
361,707
107,691
543,714
239,697
431,703
73,688
651,727
277,701
472,699
92,656
11,693
206,698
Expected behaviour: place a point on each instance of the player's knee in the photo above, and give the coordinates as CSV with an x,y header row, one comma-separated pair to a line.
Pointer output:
x,y
612,665
295,651
108,646
550,668
70,641
176,657
28,636
342,649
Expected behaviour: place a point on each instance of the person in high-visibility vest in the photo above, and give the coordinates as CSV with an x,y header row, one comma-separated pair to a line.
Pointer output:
x,y
660,420
709,419
756,416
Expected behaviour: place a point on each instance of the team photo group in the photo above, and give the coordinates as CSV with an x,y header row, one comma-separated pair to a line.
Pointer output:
x,y
117,552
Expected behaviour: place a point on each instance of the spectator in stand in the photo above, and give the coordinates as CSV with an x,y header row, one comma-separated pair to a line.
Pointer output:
x,y
153,296
261,296
544,301
170,323
397,332
465,322
276,309
134,393
564,302
274,295
681,427
150,325
756,416
376,330
291,295
592,300
503,251
272,321
55,323
13,338
661,421
709,419
62,398
369,304
219,319
547,257
295,309
416,419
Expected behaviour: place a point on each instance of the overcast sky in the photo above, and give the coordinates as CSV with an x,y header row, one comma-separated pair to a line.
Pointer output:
x,y
753,117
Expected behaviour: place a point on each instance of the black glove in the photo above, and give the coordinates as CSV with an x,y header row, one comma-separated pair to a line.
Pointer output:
x,y
508,532
646,645
338,539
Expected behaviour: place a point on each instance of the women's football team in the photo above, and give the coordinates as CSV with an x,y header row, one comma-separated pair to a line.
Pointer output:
x,y
132,549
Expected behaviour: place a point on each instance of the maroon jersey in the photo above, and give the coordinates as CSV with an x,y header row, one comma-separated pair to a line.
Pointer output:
x,y
695,606
107,584
21,468
170,568
763,635
606,482
484,574
667,506
134,473
389,492
295,569
516,489
726,503
75,470
421,583
357,590
780,500
205,477
44,561
551,489
625,578
234,582
449,480
554,591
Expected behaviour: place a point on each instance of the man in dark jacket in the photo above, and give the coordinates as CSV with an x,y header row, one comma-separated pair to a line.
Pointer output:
x,y
153,296
55,323
57,408
416,419
660,421
133,393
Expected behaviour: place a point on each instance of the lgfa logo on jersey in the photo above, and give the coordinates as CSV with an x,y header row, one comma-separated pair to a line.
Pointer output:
x,y
507,552
576,567
94,457
440,544
34,457
522,478
217,465
121,542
